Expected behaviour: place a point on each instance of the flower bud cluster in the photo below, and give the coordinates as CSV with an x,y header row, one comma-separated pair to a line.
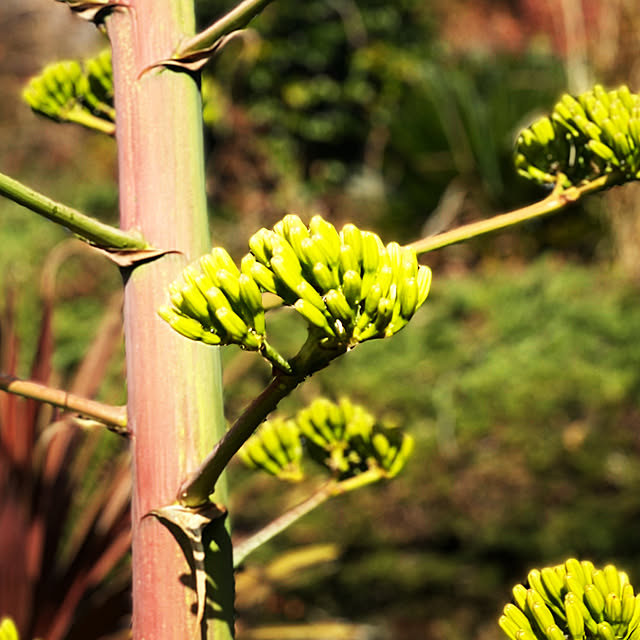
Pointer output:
x,y
343,438
576,601
69,91
276,448
212,301
595,133
348,287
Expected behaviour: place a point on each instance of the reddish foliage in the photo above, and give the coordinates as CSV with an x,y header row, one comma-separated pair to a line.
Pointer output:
x,y
64,571
511,26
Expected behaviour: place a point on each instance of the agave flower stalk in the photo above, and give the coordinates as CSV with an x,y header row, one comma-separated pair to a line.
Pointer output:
x,y
174,385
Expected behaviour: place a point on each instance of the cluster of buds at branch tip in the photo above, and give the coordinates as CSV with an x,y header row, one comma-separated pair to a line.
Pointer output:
x,y
275,448
593,134
343,438
70,91
347,285
346,439
575,601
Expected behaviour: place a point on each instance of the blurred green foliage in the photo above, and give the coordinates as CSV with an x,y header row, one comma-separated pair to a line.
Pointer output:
x,y
360,108
521,390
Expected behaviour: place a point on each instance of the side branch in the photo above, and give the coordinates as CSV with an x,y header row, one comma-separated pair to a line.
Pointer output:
x,y
328,490
196,489
205,42
242,549
557,200
89,229
108,414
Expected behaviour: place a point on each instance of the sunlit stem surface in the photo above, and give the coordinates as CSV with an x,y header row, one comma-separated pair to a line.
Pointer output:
x,y
557,200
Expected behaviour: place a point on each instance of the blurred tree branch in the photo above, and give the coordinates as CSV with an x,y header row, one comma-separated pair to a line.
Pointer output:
x,y
110,415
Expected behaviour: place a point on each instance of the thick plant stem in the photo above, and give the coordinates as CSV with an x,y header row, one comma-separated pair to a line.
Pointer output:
x,y
174,385
95,232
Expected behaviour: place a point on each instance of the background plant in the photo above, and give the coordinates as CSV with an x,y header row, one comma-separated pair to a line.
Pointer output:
x,y
66,487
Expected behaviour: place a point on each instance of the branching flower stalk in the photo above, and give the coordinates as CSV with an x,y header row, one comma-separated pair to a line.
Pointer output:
x,y
588,143
343,438
347,286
